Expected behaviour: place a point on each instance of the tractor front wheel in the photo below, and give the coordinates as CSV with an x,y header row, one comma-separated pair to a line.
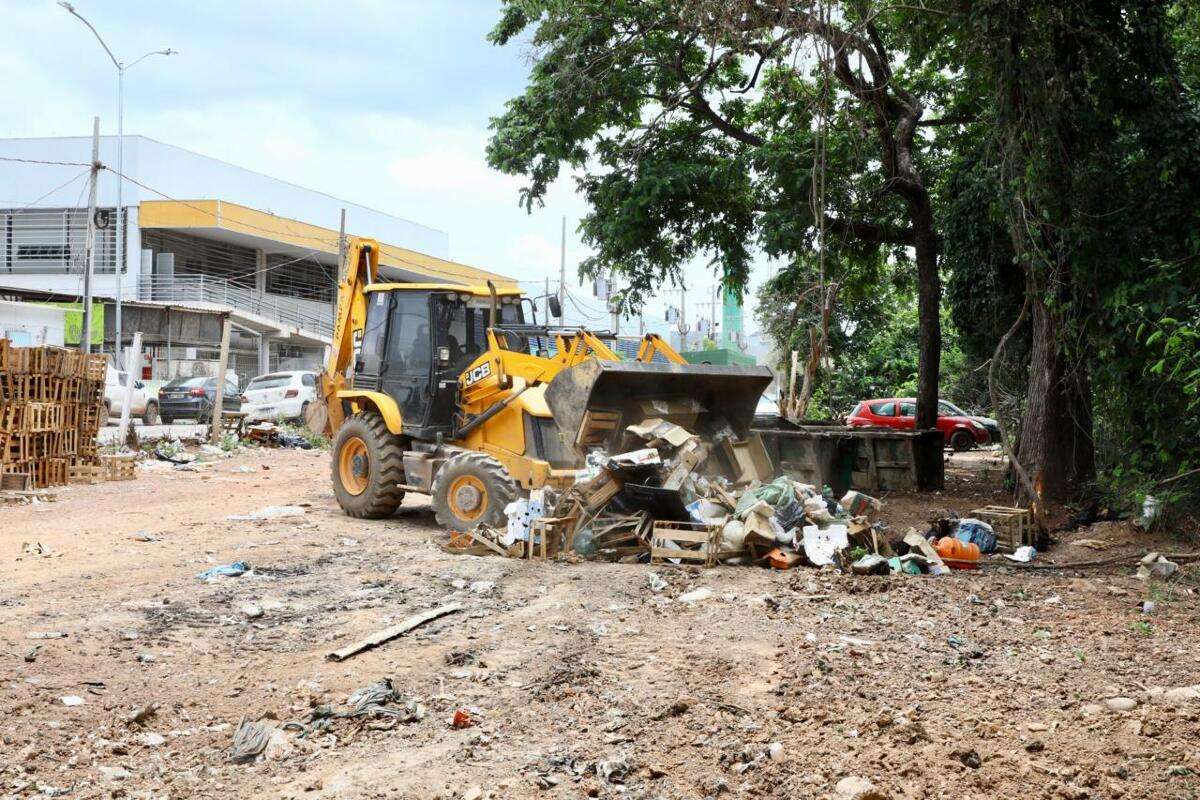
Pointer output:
x,y
368,467
472,489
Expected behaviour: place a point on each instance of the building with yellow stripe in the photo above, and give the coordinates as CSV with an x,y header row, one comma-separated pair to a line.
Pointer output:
x,y
197,234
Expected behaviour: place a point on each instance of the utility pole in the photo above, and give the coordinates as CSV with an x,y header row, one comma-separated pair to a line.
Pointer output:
x,y
712,323
683,330
562,275
341,265
120,261
546,299
89,243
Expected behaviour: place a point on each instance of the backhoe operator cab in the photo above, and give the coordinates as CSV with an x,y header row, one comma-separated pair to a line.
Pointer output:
x,y
416,344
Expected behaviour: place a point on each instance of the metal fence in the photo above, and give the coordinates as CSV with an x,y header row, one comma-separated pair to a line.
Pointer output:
x,y
43,241
303,314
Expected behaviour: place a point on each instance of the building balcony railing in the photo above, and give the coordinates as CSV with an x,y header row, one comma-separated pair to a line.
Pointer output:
x,y
306,315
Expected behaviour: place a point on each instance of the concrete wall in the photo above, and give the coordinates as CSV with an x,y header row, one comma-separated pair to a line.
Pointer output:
x,y
42,325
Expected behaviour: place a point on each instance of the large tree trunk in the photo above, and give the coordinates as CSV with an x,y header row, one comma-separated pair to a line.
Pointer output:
x,y
1056,445
929,293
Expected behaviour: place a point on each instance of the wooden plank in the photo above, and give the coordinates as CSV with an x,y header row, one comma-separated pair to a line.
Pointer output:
x,y
378,638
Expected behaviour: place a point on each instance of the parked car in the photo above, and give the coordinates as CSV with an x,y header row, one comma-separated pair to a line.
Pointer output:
x,y
960,431
141,405
945,407
280,394
193,398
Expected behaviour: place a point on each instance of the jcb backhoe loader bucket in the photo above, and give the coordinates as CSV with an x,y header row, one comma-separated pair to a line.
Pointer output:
x,y
614,394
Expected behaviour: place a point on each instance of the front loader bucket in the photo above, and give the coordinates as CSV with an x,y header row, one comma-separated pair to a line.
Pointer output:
x,y
610,395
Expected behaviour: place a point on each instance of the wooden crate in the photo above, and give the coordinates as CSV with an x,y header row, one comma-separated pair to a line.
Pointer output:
x,y
119,467
13,447
95,367
42,417
1013,526
690,542
48,472
85,472
16,481
596,426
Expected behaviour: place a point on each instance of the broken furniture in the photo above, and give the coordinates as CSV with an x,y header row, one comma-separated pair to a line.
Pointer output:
x,y
692,542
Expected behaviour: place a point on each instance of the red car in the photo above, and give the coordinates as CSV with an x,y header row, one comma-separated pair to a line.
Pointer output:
x,y
959,430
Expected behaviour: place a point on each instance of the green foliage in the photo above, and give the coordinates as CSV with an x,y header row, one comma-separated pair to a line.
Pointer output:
x,y
693,135
1078,180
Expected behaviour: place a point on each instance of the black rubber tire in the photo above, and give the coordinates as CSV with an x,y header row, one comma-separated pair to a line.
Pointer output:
x,y
961,441
300,420
501,490
385,465
150,415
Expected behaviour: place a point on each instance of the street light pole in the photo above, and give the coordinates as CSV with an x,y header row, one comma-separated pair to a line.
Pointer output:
x,y
119,260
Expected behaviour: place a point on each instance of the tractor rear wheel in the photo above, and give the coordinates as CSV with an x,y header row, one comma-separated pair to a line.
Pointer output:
x,y
472,489
368,467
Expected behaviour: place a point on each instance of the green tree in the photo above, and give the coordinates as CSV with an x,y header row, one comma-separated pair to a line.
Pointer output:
x,y
715,128
1080,172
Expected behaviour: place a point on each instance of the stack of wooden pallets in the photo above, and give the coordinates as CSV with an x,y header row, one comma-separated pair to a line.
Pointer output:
x,y
51,408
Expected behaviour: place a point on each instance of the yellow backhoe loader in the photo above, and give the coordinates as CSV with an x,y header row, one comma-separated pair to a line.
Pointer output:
x,y
452,390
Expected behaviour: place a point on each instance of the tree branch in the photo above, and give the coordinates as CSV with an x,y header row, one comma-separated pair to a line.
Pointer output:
x,y
873,232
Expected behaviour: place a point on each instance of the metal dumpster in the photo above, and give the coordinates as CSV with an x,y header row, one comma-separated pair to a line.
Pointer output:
x,y
872,460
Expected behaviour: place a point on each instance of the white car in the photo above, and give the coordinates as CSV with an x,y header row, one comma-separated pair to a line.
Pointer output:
x,y
279,395
141,404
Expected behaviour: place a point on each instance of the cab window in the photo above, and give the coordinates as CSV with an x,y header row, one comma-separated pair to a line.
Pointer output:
x,y
908,409
884,409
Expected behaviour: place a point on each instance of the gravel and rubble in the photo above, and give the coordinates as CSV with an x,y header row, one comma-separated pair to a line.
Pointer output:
x,y
569,679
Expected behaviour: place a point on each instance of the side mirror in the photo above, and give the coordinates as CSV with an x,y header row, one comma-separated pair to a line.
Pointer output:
x,y
555,306
444,356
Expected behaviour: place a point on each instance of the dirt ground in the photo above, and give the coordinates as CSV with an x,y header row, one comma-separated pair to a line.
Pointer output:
x,y
580,679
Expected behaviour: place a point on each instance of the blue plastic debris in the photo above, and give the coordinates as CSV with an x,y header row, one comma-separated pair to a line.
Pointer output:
x,y
978,532
226,570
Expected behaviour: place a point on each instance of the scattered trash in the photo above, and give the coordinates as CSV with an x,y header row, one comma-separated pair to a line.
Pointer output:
x,y
1156,566
462,719
143,536
1150,512
234,570
657,584
45,635
1023,554
249,741
72,700
252,611
613,770
269,512
978,533
820,544
696,595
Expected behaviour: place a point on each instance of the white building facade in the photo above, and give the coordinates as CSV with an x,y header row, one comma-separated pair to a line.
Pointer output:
x,y
199,231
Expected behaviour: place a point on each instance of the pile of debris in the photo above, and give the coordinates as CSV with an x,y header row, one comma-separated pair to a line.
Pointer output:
x,y
679,498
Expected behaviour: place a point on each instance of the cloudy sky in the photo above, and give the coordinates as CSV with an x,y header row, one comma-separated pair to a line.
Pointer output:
x,y
382,102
